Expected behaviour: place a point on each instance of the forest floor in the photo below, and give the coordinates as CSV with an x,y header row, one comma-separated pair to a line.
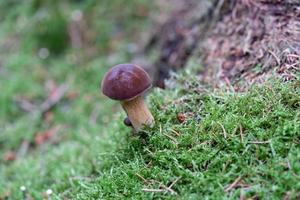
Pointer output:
x,y
61,139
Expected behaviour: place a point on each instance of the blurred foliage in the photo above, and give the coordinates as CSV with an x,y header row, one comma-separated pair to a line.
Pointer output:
x,y
28,26
45,24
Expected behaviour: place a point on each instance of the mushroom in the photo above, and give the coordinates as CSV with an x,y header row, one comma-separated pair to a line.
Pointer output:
x,y
127,83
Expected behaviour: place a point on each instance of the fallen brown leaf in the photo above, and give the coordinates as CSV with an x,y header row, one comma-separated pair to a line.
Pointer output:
x,y
9,156
42,137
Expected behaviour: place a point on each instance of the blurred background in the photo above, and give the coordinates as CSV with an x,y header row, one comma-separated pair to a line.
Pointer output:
x,y
53,55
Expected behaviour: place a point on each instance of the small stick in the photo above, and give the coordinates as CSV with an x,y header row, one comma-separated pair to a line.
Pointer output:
x,y
172,184
141,177
224,131
259,142
274,55
160,128
173,139
153,190
149,152
176,133
294,55
289,164
54,98
176,180
241,134
167,189
232,185
161,185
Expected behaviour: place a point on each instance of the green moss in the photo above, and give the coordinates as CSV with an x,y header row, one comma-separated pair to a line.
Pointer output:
x,y
254,136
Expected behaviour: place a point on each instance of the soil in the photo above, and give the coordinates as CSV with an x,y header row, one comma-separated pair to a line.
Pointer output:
x,y
232,43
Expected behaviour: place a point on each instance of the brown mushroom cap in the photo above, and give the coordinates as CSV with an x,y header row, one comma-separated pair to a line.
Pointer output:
x,y
125,82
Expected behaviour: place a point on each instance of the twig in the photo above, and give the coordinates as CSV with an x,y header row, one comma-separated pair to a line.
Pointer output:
x,y
161,185
153,190
176,180
272,149
241,134
172,184
54,98
293,65
259,142
141,177
160,128
294,55
224,131
274,55
150,152
48,103
232,185
173,139
176,133
168,189
165,189
289,164
290,168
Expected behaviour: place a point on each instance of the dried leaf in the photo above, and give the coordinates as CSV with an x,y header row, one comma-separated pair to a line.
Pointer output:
x,y
9,156
42,137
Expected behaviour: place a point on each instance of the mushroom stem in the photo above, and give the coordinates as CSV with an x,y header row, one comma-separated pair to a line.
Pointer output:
x,y
138,113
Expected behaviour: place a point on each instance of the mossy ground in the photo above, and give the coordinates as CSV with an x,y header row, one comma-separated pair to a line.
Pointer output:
x,y
250,138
